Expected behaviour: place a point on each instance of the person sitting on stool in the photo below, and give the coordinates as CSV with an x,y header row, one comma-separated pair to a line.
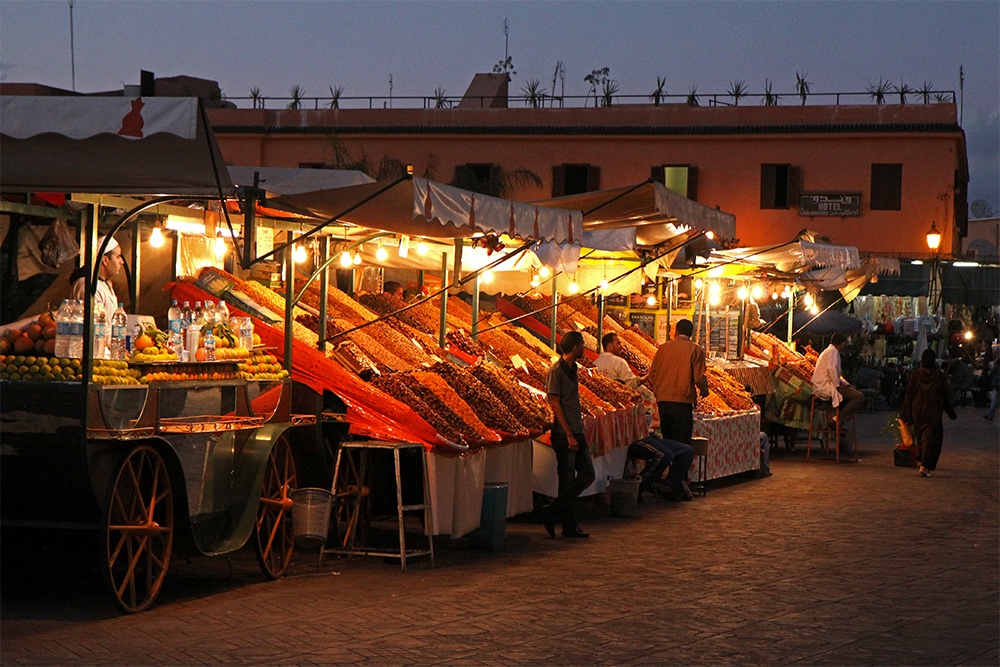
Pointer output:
x,y
828,384
658,454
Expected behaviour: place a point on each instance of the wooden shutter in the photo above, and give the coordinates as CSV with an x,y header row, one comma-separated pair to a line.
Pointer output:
x,y
656,173
794,186
894,187
767,182
593,178
463,176
496,180
558,181
692,192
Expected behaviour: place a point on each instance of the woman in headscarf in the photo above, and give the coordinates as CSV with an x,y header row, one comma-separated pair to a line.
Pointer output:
x,y
927,398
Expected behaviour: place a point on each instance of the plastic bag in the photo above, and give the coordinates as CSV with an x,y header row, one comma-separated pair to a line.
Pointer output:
x,y
904,434
58,245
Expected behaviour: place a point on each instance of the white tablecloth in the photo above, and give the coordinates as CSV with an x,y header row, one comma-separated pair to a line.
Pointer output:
x,y
545,480
511,464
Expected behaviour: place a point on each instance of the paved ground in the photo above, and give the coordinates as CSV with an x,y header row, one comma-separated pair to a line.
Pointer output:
x,y
821,563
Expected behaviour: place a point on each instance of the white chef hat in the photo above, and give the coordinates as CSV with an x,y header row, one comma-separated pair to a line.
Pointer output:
x,y
112,244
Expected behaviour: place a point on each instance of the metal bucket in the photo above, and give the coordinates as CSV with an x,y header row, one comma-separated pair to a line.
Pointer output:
x,y
311,517
624,496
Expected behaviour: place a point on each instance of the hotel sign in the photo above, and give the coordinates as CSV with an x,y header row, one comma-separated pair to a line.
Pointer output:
x,y
829,204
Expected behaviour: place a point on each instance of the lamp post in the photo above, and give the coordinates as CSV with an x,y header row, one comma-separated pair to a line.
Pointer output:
x,y
933,243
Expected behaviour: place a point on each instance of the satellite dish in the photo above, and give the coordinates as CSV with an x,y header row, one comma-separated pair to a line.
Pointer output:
x,y
980,208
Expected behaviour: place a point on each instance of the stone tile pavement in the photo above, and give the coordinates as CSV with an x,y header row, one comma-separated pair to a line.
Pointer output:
x,y
849,564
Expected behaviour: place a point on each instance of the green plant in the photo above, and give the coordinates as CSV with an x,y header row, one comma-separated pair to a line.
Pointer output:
x,y
878,92
892,428
692,98
608,90
737,89
255,98
770,99
335,94
595,78
659,92
440,100
903,90
534,94
925,92
297,93
505,66
802,85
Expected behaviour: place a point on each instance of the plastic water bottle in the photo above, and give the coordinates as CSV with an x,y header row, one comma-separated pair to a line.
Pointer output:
x,y
119,322
64,328
209,310
185,317
76,330
210,346
100,330
197,314
246,333
222,312
175,328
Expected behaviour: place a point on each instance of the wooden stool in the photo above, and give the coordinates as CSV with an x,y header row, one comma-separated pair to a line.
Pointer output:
x,y
825,408
700,447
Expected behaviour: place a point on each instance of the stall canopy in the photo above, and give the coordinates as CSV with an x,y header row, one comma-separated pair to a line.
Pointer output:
x,y
656,213
276,181
824,324
419,207
109,145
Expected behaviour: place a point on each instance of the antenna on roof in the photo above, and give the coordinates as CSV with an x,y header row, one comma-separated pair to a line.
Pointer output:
x,y
72,50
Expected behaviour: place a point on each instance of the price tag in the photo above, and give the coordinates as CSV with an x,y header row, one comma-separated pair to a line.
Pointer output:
x,y
519,362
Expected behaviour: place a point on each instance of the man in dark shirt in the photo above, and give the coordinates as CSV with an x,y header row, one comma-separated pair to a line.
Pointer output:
x,y
575,468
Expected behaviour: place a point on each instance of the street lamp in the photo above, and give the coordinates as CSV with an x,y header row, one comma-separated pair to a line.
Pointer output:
x,y
933,243
933,238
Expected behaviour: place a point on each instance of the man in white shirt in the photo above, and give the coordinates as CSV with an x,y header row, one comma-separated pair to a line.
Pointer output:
x,y
612,365
110,264
827,382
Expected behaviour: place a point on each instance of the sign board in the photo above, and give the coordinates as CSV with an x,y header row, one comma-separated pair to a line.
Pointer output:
x,y
839,205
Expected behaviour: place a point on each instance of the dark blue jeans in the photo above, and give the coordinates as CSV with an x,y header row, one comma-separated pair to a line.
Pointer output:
x,y
659,454
676,421
576,473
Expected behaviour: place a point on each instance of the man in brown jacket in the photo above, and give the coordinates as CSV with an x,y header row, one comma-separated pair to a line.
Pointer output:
x,y
677,370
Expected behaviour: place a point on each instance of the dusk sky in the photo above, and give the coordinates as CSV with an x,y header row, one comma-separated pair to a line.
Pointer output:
x,y
273,45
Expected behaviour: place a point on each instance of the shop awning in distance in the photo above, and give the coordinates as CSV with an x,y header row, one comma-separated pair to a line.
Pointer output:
x,y
656,213
276,181
419,207
109,145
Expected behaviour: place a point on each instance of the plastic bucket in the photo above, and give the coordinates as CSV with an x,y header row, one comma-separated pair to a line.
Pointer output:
x,y
624,496
311,517
493,519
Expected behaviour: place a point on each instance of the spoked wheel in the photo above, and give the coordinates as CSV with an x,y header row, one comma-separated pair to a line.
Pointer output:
x,y
274,541
351,513
138,529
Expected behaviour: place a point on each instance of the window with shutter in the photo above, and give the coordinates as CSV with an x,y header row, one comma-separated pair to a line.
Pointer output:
x,y
482,178
886,187
776,185
573,179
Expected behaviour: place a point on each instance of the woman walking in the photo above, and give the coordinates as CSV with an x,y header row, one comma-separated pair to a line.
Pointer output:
x,y
927,397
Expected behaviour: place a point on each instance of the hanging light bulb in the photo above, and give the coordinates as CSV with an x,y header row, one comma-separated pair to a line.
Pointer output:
x,y
743,293
357,258
808,299
651,300
220,246
774,295
487,276
422,248
573,287
544,272
299,254
156,238
698,283
714,289
604,285
757,291
381,254
814,310
785,293
534,281
345,258
710,235
713,299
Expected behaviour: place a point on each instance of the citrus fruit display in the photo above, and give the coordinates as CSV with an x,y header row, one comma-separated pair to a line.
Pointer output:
x,y
19,367
114,373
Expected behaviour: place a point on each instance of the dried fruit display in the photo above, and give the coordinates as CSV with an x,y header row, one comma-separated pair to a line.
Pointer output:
x,y
641,334
533,412
535,348
592,401
398,344
491,411
395,386
712,405
583,306
638,363
732,392
527,304
802,369
444,391
436,405
387,304
640,342
463,341
384,358
616,393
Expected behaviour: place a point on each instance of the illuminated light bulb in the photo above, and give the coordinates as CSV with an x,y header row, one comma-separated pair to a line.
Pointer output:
x,y
968,335
698,283
808,299
535,283
156,238
604,285
487,276
345,258
757,291
381,254
713,289
299,254
220,247
535,278
714,299
710,235
814,310
573,287
774,295
743,293
357,258
422,248
544,272
651,300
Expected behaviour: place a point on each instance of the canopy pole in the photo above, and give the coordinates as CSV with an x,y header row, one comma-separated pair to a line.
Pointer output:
x,y
459,244
670,307
475,308
791,310
324,288
134,278
552,319
442,339
289,305
250,221
600,321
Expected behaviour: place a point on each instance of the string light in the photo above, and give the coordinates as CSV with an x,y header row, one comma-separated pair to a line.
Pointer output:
x,y
757,291
774,295
808,299
220,246
345,258
422,248
968,335
714,299
698,283
381,254
357,258
573,287
651,300
814,310
713,289
487,276
743,293
604,285
156,238
710,235
543,272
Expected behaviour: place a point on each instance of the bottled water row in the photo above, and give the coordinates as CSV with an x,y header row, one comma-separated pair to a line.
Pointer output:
x,y
185,324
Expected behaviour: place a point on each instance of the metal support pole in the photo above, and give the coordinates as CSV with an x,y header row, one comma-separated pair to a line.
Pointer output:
x,y
324,288
289,296
475,308
459,244
420,279
670,305
442,339
552,314
791,311
90,259
250,222
600,320
134,283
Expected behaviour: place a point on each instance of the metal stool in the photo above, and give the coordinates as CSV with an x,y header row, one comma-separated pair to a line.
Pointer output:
x,y
700,447
363,447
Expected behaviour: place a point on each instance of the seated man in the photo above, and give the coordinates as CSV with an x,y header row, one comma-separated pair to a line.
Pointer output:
x,y
658,455
960,379
827,382
869,381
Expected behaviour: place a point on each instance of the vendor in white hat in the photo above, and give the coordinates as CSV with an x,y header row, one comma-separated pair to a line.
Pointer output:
x,y
111,264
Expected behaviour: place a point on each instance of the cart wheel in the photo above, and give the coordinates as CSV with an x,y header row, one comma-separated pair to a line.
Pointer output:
x,y
351,514
274,539
138,529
